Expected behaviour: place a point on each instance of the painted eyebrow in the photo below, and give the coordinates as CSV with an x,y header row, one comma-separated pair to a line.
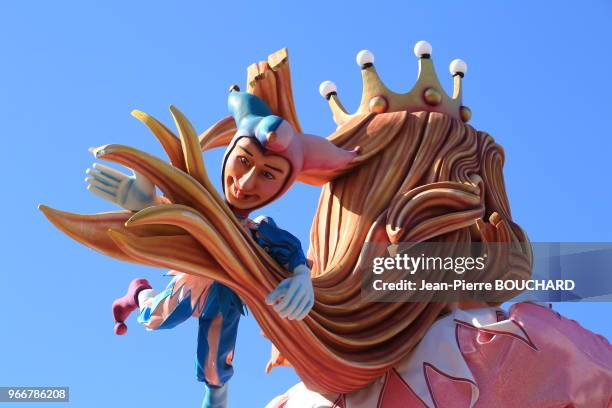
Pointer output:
x,y
267,165
246,151
275,168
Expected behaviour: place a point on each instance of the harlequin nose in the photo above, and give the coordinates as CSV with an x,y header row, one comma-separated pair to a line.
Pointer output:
x,y
247,181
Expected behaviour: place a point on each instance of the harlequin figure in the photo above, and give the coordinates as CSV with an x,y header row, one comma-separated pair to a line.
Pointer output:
x,y
262,161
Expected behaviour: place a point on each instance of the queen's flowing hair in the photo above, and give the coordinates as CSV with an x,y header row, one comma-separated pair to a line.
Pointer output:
x,y
419,177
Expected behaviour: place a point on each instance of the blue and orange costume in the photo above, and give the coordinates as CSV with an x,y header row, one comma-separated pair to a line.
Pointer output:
x,y
216,306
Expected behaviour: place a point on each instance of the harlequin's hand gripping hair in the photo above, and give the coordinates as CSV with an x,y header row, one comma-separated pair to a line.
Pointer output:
x,y
421,174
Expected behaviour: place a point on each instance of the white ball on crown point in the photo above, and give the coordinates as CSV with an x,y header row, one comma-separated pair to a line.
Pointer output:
x,y
421,48
326,88
457,66
364,57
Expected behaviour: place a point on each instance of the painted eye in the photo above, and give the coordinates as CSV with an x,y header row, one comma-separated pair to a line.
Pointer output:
x,y
244,160
268,175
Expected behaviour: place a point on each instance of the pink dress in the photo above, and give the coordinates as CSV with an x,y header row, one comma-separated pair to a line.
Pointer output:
x,y
530,357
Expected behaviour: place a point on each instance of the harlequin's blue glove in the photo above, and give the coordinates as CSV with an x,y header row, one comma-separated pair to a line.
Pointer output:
x,y
293,297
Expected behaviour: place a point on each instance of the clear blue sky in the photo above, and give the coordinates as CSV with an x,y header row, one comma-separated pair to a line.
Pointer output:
x,y
538,81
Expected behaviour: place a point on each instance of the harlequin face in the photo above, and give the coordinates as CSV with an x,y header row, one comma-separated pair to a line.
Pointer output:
x,y
253,177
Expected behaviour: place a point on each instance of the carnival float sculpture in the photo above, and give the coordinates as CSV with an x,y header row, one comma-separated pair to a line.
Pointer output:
x,y
405,167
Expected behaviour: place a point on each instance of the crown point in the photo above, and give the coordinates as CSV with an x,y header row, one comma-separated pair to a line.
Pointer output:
x,y
458,67
327,89
426,95
432,96
365,58
422,49
378,104
465,113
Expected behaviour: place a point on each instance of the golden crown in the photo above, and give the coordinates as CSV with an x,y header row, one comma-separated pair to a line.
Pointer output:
x,y
426,95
